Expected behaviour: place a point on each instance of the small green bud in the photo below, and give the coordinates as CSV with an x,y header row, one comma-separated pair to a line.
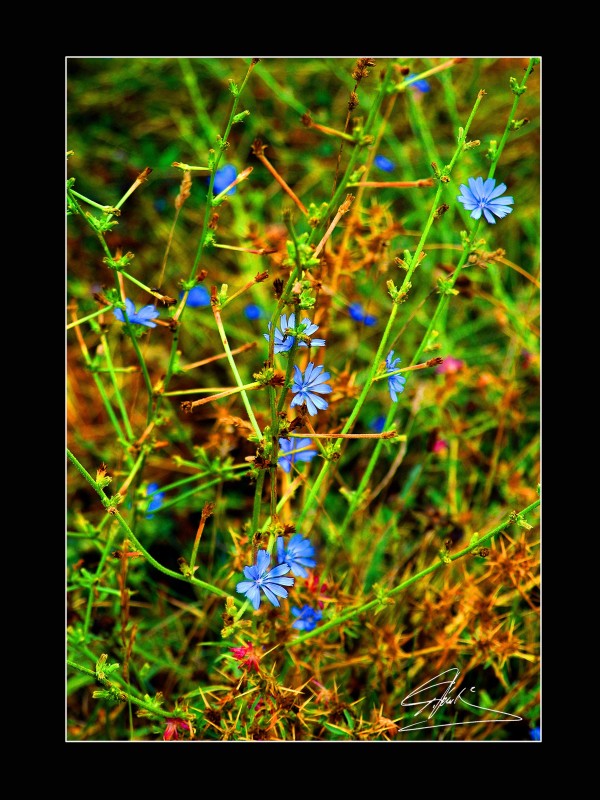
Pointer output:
x,y
222,294
445,287
240,117
515,88
517,124
233,88
383,600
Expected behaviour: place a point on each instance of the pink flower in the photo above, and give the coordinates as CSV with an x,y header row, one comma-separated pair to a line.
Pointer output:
x,y
174,725
449,365
439,446
312,584
246,656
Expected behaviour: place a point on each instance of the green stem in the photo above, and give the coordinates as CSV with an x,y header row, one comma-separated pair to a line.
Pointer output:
x,y
236,374
334,623
135,541
107,405
191,478
103,310
257,500
279,92
143,286
93,203
127,694
99,568
511,116
204,119
128,327
196,490
356,152
444,299
116,388
375,365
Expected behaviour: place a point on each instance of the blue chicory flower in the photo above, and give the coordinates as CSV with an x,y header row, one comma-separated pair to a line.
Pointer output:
x,y
306,388
307,618
260,577
378,424
298,555
284,343
198,296
287,457
395,382
422,85
223,177
485,197
536,734
358,314
142,317
384,164
156,501
252,311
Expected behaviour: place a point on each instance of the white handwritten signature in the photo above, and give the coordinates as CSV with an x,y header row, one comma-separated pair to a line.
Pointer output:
x,y
448,700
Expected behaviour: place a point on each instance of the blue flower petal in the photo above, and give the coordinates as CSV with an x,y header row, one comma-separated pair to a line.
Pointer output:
x,y
497,191
384,164
271,597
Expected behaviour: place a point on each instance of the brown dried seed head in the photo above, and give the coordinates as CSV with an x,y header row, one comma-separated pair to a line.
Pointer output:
x,y
184,189
143,176
258,148
360,71
353,101
306,119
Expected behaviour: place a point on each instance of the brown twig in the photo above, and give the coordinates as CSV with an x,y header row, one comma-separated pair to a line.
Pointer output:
x,y
258,149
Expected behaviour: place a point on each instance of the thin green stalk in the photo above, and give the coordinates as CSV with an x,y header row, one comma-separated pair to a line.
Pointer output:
x,y
196,490
446,296
350,421
356,152
236,374
102,392
90,603
103,310
334,623
93,203
135,541
414,262
522,87
191,478
357,495
280,92
128,327
275,449
190,79
124,695
257,500
210,193
204,119
143,286
118,395
420,127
